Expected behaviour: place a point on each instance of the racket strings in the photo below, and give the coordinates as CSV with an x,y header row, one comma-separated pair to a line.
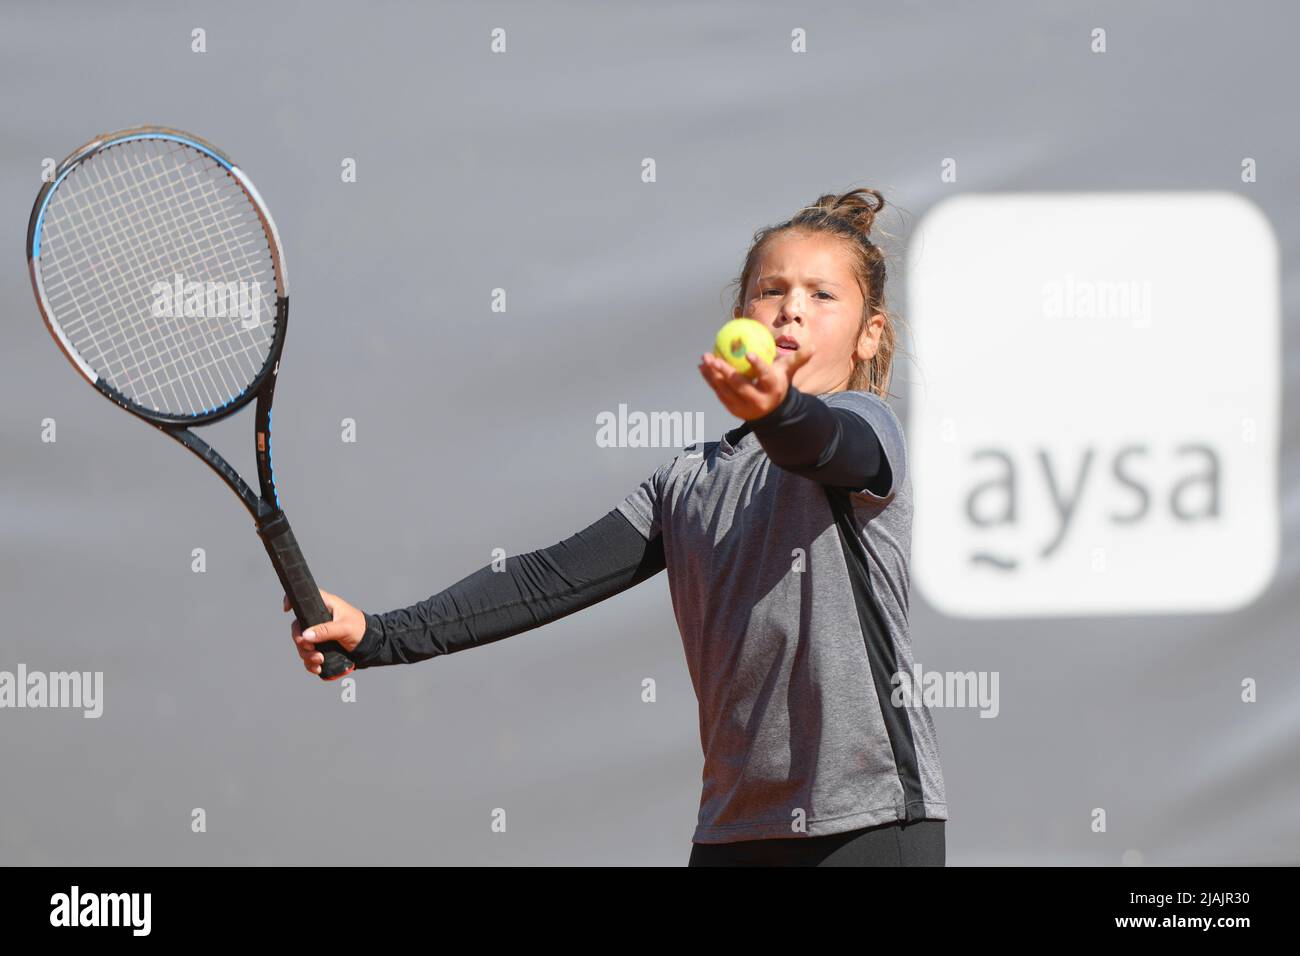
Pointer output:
x,y
94,230
138,214
116,207
242,374
168,337
119,343
140,207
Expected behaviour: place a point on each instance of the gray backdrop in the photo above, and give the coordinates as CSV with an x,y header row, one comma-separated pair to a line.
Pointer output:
x,y
476,429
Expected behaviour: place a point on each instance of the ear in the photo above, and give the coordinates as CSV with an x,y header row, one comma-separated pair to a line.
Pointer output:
x,y
869,340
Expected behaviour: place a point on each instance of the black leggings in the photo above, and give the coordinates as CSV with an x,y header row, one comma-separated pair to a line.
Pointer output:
x,y
919,843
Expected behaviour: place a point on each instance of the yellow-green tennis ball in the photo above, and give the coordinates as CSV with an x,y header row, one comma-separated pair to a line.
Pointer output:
x,y
738,338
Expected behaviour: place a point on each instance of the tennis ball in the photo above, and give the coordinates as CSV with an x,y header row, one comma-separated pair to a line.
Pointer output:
x,y
738,338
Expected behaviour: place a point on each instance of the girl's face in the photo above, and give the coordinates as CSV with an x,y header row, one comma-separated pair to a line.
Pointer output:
x,y
804,290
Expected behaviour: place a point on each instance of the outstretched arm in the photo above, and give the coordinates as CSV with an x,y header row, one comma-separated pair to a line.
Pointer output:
x,y
536,588
800,433
832,446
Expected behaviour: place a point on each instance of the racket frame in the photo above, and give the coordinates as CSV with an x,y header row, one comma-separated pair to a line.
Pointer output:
x,y
269,518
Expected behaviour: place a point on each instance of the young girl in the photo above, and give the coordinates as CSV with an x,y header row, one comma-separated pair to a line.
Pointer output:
x,y
786,545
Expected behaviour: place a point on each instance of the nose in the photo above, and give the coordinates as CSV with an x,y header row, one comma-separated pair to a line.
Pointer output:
x,y
792,308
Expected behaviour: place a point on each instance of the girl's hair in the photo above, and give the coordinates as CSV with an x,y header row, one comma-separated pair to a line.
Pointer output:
x,y
849,216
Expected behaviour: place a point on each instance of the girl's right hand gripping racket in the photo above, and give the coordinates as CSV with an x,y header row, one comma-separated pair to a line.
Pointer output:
x,y
158,270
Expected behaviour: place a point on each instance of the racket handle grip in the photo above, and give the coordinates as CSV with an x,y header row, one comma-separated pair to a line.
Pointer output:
x,y
291,567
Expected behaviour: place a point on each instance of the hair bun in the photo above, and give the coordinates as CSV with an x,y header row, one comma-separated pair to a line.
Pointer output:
x,y
858,207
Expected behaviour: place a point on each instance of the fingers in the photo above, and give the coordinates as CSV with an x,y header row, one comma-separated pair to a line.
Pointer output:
x,y
744,396
721,375
312,659
331,601
326,631
713,378
773,377
763,368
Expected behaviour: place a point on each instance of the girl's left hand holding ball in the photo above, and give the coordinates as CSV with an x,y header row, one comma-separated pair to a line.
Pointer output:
x,y
752,398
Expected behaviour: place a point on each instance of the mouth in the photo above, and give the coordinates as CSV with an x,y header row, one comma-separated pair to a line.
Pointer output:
x,y
786,344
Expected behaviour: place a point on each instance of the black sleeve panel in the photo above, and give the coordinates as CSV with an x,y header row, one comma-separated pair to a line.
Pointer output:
x,y
533,589
831,445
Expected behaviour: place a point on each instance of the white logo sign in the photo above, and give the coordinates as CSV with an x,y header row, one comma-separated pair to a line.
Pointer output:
x,y
1093,420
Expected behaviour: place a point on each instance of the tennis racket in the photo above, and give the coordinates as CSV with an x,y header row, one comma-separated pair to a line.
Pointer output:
x,y
158,271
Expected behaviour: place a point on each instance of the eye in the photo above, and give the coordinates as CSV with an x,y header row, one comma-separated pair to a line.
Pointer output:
x,y
778,291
